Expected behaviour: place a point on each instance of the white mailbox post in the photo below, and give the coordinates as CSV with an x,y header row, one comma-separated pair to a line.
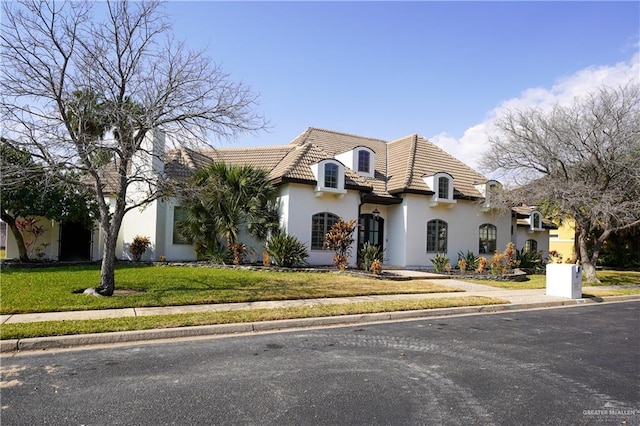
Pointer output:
x,y
564,280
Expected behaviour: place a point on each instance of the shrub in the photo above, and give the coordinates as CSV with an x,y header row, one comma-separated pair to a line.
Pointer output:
x,y
216,252
471,260
462,265
340,239
370,253
555,256
482,265
139,246
528,259
286,250
376,267
237,251
440,262
503,262
510,255
496,265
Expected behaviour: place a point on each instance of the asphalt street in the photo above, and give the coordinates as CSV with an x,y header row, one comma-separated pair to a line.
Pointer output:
x,y
576,365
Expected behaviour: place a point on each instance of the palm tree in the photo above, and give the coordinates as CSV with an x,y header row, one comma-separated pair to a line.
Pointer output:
x,y
221,200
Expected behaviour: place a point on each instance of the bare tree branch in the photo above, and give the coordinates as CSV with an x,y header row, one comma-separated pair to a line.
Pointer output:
x,y
87,92
584,159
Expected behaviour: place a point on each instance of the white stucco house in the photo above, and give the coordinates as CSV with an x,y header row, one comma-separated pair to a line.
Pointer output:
x,y
409,197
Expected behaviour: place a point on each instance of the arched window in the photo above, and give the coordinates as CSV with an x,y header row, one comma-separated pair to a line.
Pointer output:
x,y
531,246
321,223
536,220
443,187
436,236
364,161
488,238
331,175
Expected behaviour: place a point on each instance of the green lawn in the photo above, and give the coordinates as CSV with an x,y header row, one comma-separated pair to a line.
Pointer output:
x,y
55,289
608,278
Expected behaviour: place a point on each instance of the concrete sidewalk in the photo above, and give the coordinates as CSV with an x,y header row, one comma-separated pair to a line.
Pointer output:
x,y
518,299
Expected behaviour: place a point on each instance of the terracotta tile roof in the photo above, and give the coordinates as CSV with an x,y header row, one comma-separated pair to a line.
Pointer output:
x,y
400,165
413,157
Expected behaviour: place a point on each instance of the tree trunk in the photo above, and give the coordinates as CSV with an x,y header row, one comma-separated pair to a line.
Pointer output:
x,y
575,255
107,268
587,264
110,225
11,222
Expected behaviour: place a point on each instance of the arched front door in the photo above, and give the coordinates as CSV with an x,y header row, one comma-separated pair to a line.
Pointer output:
x,y
370,230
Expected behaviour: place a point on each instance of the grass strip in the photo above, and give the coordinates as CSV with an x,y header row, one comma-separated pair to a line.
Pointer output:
x,y
607,278
611,292
60,328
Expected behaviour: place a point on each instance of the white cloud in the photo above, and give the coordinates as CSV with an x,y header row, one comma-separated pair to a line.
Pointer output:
x,y
474,142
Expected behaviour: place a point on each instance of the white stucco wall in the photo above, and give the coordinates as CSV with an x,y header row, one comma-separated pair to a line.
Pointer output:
x,y
142,222
299,203
523,233
148,220
463,219
395,231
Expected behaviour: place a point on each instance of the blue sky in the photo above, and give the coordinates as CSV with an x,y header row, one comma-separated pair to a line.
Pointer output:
x,y
389,69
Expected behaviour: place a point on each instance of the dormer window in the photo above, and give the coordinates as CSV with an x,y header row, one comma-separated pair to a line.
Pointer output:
x,y
329,175
364,161
360,159
442,185
443,188
488,190
535,221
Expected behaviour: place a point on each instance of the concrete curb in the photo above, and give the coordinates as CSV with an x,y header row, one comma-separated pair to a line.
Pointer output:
x,y
81,340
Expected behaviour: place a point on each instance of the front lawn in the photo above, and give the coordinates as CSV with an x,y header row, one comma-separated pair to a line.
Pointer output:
x,y
608,278
55,289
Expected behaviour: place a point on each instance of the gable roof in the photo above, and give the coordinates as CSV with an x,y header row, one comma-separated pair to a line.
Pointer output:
x,y
400,165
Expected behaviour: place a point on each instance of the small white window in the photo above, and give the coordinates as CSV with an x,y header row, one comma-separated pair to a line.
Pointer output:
x,y
535,220
441,184
364,161
331,175
443,187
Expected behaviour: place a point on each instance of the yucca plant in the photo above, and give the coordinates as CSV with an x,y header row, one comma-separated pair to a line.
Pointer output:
x,y
370,253
528,258
286,250
471,260
439,262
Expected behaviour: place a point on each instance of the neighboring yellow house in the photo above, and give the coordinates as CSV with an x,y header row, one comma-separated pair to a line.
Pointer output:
x,y
561,239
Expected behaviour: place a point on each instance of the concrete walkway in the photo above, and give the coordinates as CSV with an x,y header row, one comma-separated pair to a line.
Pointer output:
x,y
518,299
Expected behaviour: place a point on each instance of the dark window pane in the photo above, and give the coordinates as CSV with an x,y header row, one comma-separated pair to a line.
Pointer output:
x,y
364,157
331,175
